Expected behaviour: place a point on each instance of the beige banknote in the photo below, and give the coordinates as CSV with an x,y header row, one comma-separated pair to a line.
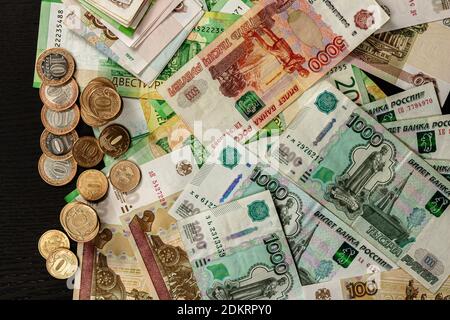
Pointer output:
x,y
409,57
264,61
387,285
406,13
110,270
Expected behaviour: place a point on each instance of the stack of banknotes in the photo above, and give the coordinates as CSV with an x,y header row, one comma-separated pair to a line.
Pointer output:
x,y
273,166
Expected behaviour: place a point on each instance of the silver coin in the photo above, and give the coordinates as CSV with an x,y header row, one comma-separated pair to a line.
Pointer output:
x,y
57,172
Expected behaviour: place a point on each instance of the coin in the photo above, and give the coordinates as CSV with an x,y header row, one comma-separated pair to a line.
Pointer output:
x,y
92,185
60,122
58,147
114,140
57,172
103,81
125,176
52,240
61,97
90,120
87,152
62,263
80,221
55,66
105,103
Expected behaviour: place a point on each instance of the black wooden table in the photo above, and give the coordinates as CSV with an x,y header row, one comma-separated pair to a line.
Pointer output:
x,y
28,206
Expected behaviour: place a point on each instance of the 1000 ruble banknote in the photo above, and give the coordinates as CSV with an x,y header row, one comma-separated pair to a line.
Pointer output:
x,y
371,180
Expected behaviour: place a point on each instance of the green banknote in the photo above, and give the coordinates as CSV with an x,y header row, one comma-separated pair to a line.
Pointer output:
x,y
324,248
368,178
90,63
238,251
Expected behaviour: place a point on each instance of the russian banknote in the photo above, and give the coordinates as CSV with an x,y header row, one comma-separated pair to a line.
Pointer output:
x,y
264,61
323,247
369,179
441,166
406,13
238,251
231,6
409,57
145,62
110,270
429,137
349,79
388,285
91,63
416,102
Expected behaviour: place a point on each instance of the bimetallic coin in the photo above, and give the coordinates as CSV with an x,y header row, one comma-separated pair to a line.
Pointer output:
x,y
57,172
80,221
87,152
60,122
59,98
114,140
62,263
92,185
104,82
52,240
105,103
55,66
58,147
125,176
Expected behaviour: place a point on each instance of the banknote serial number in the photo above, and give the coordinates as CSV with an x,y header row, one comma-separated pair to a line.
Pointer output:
x,y
58,29
291,157
208,29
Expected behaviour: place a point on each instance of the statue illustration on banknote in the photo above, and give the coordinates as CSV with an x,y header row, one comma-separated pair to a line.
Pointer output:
x,y
248,289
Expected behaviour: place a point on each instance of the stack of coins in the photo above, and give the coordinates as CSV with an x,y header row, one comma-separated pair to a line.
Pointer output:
x,y
80,221
60,116
54,247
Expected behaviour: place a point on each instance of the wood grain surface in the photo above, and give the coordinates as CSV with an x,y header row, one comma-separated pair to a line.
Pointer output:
x,y
28,206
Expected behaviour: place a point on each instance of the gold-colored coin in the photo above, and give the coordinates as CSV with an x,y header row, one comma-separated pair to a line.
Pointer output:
x,y
59,98
114,140
104,82
55,66
90,120
58,147
62,263
80,221
57,172
105,103
52,240
60,122
92,185
125,176
87,152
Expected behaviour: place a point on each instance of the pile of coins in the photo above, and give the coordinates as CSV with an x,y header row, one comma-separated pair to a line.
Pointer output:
x,y
64,151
